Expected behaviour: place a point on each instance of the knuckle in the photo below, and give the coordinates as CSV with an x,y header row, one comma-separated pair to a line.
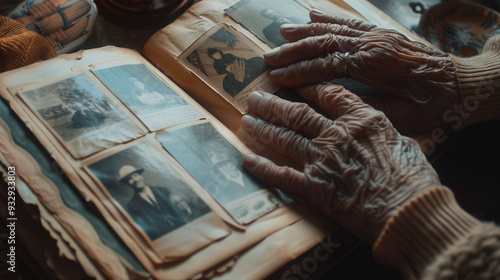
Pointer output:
x,y
290,181
337,95
306,70
283,138
298,70
342,30
310,43
359,24
273,105
372,119
329,28
377,116
324,43
331,42
325,89
318,28
264,132
297,113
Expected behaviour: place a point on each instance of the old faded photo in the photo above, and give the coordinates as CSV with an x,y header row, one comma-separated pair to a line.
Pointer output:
x,y
264,18
227,62
217,165
152,193
80,115
153,101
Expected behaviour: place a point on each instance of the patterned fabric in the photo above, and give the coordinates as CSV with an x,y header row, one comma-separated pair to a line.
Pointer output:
x,y
20,46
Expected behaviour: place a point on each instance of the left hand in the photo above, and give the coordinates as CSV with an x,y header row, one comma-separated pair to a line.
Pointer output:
x,y
357,169
420,82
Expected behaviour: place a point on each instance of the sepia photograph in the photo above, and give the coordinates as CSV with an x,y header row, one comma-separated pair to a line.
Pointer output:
x,y
79,114
230,64
217,165
264,18
153,101
154,196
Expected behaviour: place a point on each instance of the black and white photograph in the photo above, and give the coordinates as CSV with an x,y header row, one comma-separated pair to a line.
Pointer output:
x,y
154,196
217,165
230,64
153,101
80,115
264,18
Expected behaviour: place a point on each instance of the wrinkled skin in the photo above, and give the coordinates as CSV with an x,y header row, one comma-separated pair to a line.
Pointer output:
x,y
420,82
357,169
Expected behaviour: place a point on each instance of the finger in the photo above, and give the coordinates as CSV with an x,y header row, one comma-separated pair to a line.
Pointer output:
x,y
315,70
296,32
295,116
335,100
287,179
309,48
319,16
280,139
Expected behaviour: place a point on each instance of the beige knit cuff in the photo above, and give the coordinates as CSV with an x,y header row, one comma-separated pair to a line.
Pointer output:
x,y
479,87
421,231
474,257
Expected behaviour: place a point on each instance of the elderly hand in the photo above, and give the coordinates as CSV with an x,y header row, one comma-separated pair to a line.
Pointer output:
x,y
421,81
357,169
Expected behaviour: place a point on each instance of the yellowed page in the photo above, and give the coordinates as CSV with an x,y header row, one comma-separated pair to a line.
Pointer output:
x,y
223,236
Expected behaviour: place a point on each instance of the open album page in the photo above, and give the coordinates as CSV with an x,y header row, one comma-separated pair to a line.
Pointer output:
x,y
164,173
224,49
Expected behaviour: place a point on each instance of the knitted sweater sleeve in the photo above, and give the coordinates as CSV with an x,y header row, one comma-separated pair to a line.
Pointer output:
x,y
431,237
478,80
20,46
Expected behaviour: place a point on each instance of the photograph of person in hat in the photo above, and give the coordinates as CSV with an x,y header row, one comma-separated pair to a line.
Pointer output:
x,y
150,207
141,180
232,182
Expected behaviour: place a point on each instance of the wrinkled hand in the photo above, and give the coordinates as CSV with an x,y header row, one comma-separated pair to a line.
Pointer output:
x,y
238,68
357,169
421,81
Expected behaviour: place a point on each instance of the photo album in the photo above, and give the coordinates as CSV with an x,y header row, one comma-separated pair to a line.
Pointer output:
x,y
134,157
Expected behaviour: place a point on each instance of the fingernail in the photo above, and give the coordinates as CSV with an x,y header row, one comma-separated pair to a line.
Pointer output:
x,y
250,160
290,26
254,99
317,12
278,73
247,122
272,52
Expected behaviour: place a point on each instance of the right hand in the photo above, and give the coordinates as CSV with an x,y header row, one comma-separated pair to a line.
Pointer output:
x,y
420,82
355,167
